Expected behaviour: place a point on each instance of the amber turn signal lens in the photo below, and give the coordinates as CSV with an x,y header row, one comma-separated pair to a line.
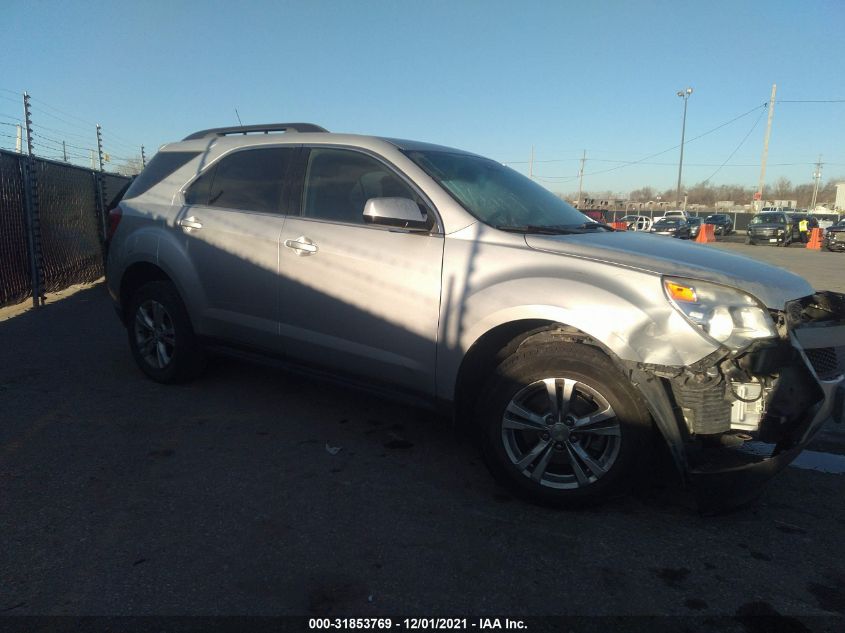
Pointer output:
x,y
677,292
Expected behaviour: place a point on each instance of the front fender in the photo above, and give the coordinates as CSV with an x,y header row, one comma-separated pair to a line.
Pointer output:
x,y
625,310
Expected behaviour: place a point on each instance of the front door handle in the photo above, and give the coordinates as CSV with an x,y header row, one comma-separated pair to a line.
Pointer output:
x,y
302,246
189,224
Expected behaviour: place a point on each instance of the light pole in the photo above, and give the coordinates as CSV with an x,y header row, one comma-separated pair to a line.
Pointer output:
x,y
684,94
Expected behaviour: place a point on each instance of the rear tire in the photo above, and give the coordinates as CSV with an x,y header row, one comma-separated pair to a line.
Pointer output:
x,y
562,426
161,337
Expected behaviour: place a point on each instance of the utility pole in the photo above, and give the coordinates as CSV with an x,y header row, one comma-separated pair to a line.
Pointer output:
x,y
765,156
581,176
19,139
817,175
143,158
684,94
64,151
531,164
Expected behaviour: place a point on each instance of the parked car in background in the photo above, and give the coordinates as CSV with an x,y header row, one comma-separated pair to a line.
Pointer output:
x,y
826,220
637,222
677,213
722,223
694,227
674,227
448,280
770,227
834,237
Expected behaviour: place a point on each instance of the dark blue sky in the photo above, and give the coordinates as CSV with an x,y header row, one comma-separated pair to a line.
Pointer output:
x,y
491,77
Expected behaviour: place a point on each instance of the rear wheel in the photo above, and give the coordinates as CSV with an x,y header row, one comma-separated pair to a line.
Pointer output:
x,y
161,337
561,425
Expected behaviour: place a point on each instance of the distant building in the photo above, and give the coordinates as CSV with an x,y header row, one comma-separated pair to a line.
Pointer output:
x,y
839,205
724,204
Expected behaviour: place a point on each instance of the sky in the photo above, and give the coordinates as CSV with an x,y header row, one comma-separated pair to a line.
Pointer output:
x,y
495,78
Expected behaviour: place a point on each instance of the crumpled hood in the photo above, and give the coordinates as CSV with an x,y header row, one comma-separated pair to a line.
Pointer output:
x,y
771,285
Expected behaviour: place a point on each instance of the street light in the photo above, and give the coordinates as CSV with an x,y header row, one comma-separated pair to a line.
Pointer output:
x,y
683,94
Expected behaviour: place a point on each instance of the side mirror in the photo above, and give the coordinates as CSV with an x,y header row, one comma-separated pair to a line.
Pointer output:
x,y
398,212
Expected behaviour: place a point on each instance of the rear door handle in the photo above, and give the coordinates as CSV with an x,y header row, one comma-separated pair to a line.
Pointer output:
x,y
301,246
188,224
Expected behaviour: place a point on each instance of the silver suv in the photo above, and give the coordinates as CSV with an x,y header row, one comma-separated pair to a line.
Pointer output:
x,y
448,279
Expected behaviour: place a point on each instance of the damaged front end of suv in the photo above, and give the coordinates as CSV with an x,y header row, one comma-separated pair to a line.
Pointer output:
x,y
740,415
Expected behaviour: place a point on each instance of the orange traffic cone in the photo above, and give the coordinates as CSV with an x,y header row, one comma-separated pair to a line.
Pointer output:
x,y
706,234
619,226
815,239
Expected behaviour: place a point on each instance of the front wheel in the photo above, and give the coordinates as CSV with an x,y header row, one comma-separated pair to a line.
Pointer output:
x,y
561,425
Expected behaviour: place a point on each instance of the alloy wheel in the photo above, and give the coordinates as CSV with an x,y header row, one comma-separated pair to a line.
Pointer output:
x,y
155,334
561,433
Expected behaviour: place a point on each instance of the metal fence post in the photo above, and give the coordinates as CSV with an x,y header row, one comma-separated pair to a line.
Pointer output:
x,y
33,223
100,188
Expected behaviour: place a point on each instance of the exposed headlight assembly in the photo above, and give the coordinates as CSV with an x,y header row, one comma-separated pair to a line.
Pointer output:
x,y
731,317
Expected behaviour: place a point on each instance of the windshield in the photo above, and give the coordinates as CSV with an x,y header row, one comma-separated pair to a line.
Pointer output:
x,y
667,223
768,218
715,218
498,195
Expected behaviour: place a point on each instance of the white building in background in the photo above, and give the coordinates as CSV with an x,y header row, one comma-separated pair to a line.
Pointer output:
x,y
839,205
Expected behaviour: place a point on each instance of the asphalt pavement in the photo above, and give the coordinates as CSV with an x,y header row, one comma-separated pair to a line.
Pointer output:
x,y
228,495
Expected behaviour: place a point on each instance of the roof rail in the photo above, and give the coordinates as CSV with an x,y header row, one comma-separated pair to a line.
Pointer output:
x,y
265,128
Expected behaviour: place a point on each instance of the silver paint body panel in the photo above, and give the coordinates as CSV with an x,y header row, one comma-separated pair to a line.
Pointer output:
x,y
402,307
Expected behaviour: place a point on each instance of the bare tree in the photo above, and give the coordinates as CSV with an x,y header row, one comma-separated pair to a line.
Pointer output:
x,y
130,167
644,194
782,188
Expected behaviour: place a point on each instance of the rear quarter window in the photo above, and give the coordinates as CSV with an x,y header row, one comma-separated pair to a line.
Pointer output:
x,y
160,167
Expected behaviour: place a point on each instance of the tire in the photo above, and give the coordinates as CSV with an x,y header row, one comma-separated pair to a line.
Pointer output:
x,y
520,435
161,336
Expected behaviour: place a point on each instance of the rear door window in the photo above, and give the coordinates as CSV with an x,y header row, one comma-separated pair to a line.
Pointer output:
x,y
249,180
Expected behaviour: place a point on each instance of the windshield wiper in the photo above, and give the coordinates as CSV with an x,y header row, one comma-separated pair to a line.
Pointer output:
x,y
591,226
552,229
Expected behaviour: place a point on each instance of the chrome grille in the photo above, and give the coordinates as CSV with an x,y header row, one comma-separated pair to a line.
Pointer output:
x,y
828,362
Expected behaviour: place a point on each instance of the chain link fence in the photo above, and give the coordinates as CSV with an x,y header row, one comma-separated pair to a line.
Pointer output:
x,y
15,273
71,206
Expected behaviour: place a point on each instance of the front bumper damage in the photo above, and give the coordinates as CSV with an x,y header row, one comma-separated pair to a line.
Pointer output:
x,y
734,420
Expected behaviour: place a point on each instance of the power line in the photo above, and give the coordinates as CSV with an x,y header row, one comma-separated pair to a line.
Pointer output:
x,y
741,143
670,149
38,135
